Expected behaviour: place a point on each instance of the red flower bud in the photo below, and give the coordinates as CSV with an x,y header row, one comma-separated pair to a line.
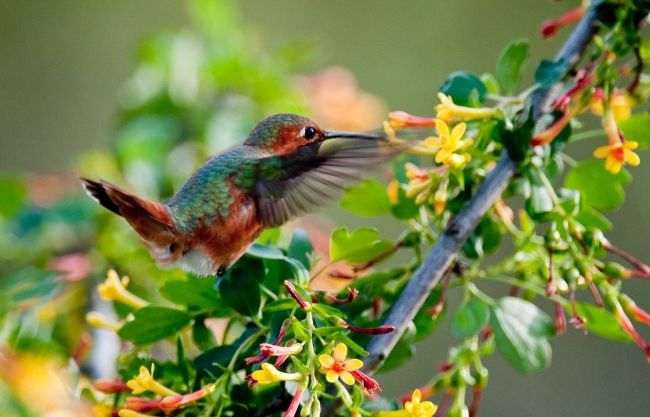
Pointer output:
x,y
142,405
368,384
352,295
383,329
560,319
294,294
110,386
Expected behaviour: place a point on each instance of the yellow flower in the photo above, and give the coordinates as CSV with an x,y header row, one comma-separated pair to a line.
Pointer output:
x,y
130,413
337,365
448,111
145,381
114,289
413,408
621,104
419,409
393,191
102,410
269,374
97,319
439,201
618,154
449,143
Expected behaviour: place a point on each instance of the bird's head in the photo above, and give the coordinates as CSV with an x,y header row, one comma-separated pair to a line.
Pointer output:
x,y
285,133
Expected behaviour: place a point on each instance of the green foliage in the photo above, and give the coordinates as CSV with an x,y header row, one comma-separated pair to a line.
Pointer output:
x,y
357,247
511,64
521,332
549,72
151,324
601,189
465,88
637,128
368,198
470,318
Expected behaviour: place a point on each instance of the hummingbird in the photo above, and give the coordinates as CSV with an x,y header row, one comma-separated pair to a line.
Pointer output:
x,y
287,166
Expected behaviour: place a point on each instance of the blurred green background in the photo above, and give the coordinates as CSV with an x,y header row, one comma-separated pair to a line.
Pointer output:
x,y
63,62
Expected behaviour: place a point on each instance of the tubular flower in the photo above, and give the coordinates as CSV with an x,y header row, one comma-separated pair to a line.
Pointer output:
x,y
551,26
114,289
618,152
617,155
392,190
269,374
621,104
175,402
337,365
449,143
97,319
448,111
420,183
400,119
145,381
110,386
142,405
102,410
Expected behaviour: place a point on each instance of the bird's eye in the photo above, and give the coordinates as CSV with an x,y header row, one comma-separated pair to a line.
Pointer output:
x,y
309,133
173,247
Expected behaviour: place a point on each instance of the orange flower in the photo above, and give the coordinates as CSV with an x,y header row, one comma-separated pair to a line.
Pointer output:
x,y
337,365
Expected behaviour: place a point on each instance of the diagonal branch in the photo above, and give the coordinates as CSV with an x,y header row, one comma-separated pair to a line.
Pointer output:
x,y
441,256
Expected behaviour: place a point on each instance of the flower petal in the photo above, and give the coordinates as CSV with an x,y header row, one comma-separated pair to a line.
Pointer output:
x,y
340,352
326,360
458,131
631,145
442,128
416,396
602,151
347,377
632,158
353,364
331,376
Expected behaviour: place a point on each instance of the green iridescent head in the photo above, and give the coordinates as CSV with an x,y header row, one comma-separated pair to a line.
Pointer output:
x,y
284,132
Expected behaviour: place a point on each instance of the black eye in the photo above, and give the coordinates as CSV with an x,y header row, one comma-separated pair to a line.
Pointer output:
x,y
173,247
309,133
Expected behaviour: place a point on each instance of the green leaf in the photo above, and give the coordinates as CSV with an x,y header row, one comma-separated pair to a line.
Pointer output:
x,y
521,331
152,323
601,322
465,88
265,252
202,336
470,318
425,323
591,218
484,239
510,65
517,141
357,247
405,208
368,198
549,72
539,204
601,189
198,292
637,128
240,290
300,247
14,193
216,360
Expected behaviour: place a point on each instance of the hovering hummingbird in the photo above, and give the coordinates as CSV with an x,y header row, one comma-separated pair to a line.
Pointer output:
x,y
287,166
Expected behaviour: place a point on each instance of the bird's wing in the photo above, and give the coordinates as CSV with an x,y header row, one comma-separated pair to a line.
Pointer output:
x,y
286,186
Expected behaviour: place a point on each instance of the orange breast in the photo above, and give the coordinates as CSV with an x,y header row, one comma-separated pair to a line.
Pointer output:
x,y
225,241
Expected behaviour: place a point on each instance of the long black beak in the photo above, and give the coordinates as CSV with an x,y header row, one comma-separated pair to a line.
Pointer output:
x,y
353,135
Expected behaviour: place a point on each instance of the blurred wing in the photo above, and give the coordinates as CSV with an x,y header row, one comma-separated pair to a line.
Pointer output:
x,y
289,185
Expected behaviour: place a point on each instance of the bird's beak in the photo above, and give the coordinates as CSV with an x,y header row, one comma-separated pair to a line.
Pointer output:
x,y
352,135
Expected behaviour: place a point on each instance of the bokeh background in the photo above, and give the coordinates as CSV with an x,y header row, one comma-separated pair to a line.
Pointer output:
x,y
63,64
